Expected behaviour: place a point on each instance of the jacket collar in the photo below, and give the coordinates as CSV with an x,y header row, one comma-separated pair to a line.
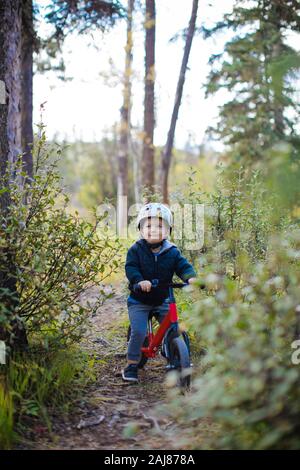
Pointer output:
x,y
167,245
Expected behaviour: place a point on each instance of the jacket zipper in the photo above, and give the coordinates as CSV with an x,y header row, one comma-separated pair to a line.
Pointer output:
x,y
155,264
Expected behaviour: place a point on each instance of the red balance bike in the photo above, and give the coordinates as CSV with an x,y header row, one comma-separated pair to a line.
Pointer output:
x,y
175,345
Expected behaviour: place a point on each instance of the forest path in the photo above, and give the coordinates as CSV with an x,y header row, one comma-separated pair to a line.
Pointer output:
x,y
100,417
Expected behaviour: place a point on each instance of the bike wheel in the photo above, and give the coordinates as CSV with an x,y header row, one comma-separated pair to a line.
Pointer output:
x,y
180,361
143,359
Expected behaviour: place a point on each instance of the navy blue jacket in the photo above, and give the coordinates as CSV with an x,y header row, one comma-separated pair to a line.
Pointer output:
x,y
142,264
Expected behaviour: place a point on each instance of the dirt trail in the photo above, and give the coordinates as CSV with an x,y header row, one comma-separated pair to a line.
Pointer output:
x,y
99,420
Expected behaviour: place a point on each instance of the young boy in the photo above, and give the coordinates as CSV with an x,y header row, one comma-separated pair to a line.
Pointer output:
x,y
151,257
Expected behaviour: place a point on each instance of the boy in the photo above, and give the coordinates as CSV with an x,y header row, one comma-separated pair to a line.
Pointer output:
x,y
151,257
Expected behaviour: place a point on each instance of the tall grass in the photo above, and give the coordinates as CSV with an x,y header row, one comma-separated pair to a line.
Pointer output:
x,y
6,418
37,387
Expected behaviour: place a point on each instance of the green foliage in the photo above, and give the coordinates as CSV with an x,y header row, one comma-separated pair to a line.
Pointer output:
x,y
255,68
50,255
96,171
83,16
7,434
53,257
89,172
282,175
151,195
247,319
36,386
237,218
251,387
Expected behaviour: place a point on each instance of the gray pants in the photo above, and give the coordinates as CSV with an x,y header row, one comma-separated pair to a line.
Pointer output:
x,y
138,316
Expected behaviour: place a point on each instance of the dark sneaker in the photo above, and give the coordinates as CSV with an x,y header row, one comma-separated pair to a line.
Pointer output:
x,y
130,373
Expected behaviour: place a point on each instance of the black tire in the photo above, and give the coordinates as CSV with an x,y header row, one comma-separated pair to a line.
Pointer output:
x,y
180,361
143,359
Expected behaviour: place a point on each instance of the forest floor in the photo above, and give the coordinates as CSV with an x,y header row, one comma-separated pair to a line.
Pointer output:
x,y
113,414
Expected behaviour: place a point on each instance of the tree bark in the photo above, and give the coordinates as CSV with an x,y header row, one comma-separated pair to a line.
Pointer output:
x,y
10,147
277,51
149,119
135,152
26,88
125,126
10,53
167,152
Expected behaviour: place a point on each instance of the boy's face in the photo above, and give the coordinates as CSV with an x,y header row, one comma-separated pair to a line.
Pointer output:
x,y
154,229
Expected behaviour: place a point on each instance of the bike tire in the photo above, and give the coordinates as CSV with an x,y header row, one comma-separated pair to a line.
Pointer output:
x,y
180,361
143,359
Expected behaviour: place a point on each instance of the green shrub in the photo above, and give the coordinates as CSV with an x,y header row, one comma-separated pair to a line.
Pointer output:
x,y
251,385
246,387
48,255
48,258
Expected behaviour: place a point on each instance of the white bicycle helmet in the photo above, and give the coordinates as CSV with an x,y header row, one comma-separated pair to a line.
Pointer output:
x,y
155,209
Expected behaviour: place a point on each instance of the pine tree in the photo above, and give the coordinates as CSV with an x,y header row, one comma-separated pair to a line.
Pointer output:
x,y
149,98
257,114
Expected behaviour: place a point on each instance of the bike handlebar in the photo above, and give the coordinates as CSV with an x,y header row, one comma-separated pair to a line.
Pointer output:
x,y
155,283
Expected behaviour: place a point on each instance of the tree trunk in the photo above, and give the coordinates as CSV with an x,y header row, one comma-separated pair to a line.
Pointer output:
x,y
278,98
26,90
273,50
10,65
135,154
125,128
167,152
148,148
10,147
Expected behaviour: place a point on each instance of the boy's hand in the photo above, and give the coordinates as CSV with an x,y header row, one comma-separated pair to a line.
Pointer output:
x,y
145,286
192,280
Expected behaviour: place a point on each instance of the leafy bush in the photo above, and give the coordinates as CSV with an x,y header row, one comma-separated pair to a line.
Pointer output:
x,y
237,218
246,387
251,386
49,255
